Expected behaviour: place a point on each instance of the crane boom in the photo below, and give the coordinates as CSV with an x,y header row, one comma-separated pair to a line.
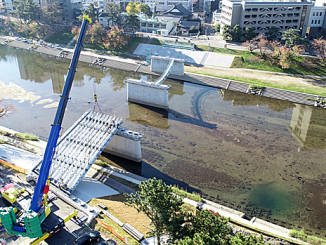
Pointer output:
x,y
56,126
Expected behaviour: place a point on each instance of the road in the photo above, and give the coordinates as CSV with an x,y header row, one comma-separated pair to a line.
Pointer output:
x,y
211,39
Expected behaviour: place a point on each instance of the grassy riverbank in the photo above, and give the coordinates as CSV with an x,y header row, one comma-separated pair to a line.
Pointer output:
x,y
282,83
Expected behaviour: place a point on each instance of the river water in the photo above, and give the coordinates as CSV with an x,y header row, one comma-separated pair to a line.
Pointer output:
x,y
258,155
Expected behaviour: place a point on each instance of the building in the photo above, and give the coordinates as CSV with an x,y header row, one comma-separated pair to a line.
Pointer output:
x,y
6,6
164,5
216,18
316,20
262,15
159,25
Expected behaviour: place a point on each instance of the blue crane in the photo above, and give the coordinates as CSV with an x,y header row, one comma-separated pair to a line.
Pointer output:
x,y
29,224
56,126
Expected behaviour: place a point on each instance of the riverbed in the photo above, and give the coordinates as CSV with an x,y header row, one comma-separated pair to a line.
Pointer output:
x,y
262,156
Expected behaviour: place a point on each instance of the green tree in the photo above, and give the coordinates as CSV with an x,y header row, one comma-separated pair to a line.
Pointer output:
x,y
157,201
207,228
272,33
249,33
145,9
132,22
92,12
236,33
133,8
292,37
114,13
217,27
51,13
26,10
227,32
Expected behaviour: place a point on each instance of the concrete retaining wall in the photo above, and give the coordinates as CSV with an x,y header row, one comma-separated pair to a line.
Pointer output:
x,y
148,93
125,144
159,64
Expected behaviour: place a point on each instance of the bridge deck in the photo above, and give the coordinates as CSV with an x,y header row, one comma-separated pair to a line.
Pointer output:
x,y
79,147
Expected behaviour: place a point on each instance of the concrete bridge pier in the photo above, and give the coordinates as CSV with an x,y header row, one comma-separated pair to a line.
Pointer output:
x,y
125,144
154,93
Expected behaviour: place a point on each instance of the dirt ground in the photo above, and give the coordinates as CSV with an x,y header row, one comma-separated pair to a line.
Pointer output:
x,y
124,213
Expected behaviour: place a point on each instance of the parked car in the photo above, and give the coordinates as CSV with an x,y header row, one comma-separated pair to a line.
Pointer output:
x,y
89,238
24,40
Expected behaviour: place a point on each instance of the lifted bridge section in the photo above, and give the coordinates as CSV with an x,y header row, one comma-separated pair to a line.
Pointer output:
x,y
79,147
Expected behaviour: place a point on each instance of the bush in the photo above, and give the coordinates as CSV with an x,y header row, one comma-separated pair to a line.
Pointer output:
x,y
308,63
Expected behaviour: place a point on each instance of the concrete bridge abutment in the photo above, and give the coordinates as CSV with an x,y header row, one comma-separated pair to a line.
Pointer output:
x,y
154,93
125,144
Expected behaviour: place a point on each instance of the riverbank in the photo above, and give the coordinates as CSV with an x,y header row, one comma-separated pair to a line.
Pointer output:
x,y
206,76
236,217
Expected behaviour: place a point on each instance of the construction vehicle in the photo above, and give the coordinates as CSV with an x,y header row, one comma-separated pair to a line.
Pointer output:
x,y
31,218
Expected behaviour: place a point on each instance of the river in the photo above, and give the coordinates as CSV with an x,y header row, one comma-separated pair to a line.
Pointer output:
x,y
258,155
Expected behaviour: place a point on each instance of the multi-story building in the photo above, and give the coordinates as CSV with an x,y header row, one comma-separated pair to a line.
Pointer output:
x,y
262,15
316,20
159,25
6,6
164,5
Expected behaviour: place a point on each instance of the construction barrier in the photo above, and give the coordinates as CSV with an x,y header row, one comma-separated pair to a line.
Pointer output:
x,y
110,228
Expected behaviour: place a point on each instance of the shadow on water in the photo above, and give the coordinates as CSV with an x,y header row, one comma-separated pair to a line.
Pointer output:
x,y
146,170
159,118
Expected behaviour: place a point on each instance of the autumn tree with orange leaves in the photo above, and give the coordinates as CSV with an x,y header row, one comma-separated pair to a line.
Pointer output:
x,y
115,39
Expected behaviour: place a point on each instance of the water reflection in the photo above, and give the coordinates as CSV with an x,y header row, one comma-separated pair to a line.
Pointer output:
x,y
150,116
308,127
239,99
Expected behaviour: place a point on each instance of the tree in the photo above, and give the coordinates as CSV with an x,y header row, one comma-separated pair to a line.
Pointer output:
x,y
320,48
227,32
251,44
249,33
115,39
92,12
157,201
51,13
96,33
210,229
133,8
145,9
272,33
284,57
292,37
132,22
114,13
217,27
236,33
262,43
26,10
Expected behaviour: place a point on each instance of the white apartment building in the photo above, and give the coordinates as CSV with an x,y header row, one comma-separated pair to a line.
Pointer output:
x,y
164,5
262,15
